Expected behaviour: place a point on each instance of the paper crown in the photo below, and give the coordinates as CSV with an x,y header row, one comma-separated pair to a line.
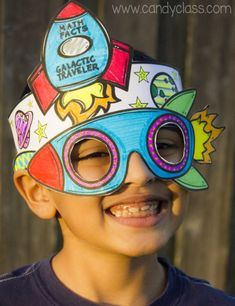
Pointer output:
x,y
84,74
150,85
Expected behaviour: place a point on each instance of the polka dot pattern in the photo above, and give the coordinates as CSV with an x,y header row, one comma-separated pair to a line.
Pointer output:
x,y
90,133
152,147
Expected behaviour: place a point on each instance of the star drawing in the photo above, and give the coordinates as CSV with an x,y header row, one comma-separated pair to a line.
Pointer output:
x,y
30,104
138,104
143,75
40,131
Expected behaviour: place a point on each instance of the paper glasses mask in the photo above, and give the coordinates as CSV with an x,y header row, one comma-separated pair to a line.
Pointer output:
x,y
93,104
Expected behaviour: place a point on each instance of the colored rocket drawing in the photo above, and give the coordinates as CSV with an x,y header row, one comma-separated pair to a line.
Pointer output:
x,y
79,45
77,52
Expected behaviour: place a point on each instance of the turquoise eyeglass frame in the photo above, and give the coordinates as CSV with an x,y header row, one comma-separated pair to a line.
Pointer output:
x,y
123,133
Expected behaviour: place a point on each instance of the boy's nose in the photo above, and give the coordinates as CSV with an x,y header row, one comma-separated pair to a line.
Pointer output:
x,y
138,172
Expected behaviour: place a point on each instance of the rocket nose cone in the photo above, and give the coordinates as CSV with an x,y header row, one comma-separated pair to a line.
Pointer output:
x,y
72,9
46,168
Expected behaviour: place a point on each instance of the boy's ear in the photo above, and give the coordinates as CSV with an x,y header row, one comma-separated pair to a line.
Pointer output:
x,y
36,195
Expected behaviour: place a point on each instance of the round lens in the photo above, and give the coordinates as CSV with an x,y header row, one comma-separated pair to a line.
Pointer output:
x,y
91,159
169,143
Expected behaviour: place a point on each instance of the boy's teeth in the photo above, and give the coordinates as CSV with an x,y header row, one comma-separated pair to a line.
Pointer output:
x,y
145,207
133,210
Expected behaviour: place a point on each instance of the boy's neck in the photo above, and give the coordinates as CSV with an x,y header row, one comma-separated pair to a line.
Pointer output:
x,y
110,278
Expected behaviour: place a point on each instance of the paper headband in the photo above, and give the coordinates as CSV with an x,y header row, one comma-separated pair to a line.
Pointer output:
x,y
85,76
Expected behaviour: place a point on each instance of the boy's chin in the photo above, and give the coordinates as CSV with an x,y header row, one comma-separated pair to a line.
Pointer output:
x,y
139,249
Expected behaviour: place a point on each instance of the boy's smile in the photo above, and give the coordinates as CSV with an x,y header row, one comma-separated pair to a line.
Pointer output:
x,y
136,220
139,210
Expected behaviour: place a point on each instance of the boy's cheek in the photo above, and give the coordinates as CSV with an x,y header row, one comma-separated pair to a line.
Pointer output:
x,y
180,199
74,208
179,208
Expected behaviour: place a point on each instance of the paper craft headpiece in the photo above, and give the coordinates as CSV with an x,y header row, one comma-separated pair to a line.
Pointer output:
x,y
94,101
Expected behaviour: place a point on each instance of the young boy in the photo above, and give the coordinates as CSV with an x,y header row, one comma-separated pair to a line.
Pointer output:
x,y
104,145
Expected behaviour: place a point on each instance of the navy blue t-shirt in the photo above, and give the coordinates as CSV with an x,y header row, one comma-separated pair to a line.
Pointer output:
x,y
37,285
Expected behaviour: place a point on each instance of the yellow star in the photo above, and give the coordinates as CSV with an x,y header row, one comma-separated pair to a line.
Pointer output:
x,y
138,104
41,131
30,104
142,75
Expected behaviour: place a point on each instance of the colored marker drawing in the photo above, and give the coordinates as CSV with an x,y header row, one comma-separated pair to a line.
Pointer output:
x,y
23,123
80,46
205,132
22,161
84,103
162,88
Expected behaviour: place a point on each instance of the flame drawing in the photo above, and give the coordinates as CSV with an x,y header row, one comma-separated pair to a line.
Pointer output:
x,y
81,104
205,134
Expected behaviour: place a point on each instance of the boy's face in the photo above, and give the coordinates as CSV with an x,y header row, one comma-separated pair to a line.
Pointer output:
x,y
136,220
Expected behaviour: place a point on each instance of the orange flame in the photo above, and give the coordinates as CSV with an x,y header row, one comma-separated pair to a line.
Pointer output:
x,y
205,132
84,103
